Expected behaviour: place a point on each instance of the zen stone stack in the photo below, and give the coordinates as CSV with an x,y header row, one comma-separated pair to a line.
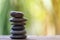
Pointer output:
x,y
18,22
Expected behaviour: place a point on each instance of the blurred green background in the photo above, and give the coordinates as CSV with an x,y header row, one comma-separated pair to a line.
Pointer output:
x,y
43,16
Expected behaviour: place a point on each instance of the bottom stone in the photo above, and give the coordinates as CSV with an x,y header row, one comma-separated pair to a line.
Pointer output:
x,y
18,37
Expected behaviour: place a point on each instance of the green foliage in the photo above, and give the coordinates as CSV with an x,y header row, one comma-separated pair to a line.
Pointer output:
x,y
4,17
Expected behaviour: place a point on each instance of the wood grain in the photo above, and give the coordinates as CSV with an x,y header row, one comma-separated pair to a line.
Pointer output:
x,y
33,38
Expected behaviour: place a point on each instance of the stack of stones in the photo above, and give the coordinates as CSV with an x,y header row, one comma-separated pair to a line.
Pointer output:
x,y
18,22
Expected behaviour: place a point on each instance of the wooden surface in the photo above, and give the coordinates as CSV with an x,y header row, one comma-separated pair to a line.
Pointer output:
x,y
33,38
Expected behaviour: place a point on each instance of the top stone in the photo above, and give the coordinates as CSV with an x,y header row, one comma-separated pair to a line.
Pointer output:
x,y
16,14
